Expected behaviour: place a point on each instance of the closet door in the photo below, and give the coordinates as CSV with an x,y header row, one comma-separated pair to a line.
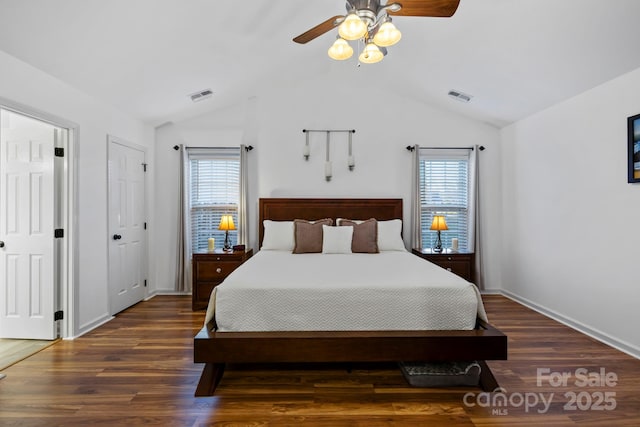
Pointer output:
x,y
127,247
27,191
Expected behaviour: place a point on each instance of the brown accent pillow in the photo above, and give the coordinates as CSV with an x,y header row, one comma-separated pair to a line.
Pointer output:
x,y
365,236
308,235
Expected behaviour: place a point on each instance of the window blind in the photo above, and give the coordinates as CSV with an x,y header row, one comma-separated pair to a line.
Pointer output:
x,y
214,187
444,190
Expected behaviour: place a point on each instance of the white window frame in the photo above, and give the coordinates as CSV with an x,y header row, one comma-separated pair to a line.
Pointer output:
x,y
457,210
226,200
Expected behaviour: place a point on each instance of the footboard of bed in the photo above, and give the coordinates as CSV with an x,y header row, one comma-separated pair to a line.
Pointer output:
x,y
219,348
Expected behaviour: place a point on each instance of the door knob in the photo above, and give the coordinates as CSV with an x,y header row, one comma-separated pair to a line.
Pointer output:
x,y
117,237
1,244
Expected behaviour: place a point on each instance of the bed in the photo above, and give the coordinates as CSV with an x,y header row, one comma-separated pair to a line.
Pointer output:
x,y
342,336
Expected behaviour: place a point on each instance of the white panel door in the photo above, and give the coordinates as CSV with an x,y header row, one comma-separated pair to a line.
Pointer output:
x,y
27,285
127,250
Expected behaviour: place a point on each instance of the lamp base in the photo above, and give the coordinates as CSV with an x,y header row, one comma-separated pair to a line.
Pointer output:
x,y
227,246
438,246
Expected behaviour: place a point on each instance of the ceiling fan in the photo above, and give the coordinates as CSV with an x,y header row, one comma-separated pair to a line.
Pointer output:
x,y
370,21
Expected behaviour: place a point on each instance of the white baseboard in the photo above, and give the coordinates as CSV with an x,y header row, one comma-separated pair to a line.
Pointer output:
x,y
165,292
490,292
88,327
605,338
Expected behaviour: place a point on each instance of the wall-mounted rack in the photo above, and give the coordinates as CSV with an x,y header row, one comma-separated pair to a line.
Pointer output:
x,y
327,166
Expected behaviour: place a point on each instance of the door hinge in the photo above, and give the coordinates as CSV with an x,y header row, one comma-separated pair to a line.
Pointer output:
x,y
145,283
145,225
58,315
58,233
144,167
58,152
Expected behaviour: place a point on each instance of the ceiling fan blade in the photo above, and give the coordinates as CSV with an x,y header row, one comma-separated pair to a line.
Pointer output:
x,y
437,8
318,30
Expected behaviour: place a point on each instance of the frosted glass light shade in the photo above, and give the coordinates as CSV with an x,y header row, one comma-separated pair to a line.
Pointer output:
x,y
352,28
387,35
340,50
371,54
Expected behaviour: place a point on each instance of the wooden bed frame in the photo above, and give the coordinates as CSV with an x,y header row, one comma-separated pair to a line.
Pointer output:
x,y
216,349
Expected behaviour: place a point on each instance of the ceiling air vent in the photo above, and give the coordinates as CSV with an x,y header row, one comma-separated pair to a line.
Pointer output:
x,y
201,95
459,96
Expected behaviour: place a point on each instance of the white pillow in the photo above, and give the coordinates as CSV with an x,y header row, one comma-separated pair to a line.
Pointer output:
x,y
278,236
357,221
389,235
336,240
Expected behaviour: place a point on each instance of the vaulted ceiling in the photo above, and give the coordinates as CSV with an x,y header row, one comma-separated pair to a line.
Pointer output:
x,y
145,57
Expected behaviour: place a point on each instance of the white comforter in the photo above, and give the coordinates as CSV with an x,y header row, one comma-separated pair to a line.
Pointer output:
x,y
280,291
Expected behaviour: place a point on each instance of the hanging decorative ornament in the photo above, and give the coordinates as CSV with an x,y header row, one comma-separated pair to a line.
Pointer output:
x,y
327,164
307,150
351,161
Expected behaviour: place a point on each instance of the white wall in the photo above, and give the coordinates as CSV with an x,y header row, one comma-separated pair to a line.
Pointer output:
x,y
570,217
167,188
26,85
273,121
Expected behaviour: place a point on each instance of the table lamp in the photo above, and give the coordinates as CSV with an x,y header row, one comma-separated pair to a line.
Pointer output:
x,y
438,224
226,224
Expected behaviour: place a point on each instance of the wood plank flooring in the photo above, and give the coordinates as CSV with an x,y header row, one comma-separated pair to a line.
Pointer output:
x,y
138,370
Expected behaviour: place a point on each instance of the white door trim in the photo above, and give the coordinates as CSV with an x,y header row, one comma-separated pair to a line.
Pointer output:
x,y
114,139
68,300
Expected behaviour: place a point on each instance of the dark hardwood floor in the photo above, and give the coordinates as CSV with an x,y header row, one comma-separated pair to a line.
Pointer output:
x,y
138,370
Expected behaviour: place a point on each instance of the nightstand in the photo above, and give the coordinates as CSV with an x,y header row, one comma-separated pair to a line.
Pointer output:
x,y
461,263
210,269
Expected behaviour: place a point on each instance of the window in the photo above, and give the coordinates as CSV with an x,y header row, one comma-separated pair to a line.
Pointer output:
x,y
214,186
444,190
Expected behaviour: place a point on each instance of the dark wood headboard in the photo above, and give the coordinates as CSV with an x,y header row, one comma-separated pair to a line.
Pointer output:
x,y
283,209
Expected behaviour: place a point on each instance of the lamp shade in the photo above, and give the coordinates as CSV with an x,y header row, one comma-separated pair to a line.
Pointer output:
x,y
439,223
340,50
226,223
371,54
387,35
352,28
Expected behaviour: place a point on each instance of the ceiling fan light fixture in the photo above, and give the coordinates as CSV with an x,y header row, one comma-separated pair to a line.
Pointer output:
x,y
353,27
387,35
340,50
371,54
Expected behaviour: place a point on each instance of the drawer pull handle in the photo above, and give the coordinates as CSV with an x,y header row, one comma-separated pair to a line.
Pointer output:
x,y
449,258
448,268
218,270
